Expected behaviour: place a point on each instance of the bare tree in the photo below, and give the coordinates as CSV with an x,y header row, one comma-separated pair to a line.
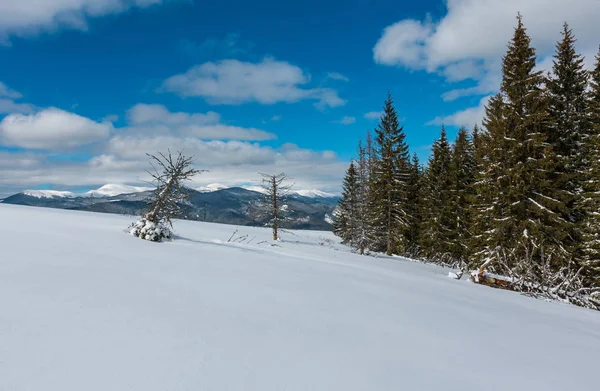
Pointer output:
x,y
169,174
276,191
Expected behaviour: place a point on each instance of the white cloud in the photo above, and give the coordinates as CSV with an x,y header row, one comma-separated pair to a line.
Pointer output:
x,y
230,163
403,43
8,104
373,115
155,119
7,92
236,82
148,113
28,17
467,117
468,42
276,118
346,120
51,129
337,76
453,47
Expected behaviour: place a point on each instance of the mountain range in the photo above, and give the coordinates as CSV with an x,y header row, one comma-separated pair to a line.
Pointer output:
x,y
304,209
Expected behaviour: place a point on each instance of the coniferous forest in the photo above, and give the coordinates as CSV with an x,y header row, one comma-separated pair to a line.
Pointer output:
x,y
518,194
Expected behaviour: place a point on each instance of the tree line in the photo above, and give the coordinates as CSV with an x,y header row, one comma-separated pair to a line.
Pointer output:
x,y
521,192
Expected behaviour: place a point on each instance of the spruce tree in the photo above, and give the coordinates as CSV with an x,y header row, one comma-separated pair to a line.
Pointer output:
x,y
568,128
484,195
414,208
438,224
363,168
462,177
521,213
591,200
388,187
346,224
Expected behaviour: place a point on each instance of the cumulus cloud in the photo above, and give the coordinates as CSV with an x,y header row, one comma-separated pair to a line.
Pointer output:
x,y
148,113
373,115
124,161
155,119
51,129
8,104
236,82
7,92
468,42
346,120
28,17
467,117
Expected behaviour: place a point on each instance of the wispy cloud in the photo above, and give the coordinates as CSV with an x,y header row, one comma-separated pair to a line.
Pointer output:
x,y
217,48
347,120
337,76
468,117
373,115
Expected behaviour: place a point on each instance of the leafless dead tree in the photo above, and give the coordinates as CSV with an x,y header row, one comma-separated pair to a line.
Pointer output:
x,y
168,175
276,191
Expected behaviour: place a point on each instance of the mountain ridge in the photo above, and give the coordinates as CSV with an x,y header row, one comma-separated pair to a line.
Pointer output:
x,y
235,205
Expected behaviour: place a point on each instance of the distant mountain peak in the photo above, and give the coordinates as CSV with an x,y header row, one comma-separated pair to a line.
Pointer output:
x,y
108,190
49,194
111,190
314,193
211,187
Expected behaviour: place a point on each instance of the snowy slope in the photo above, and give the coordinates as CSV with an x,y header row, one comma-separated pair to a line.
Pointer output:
x,y
84,306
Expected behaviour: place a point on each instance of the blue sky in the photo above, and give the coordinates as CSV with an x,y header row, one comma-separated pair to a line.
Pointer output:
x,y
88,86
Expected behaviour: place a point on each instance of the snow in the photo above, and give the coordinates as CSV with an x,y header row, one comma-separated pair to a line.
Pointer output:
x,y
305,193
211,187
108,190
111,190
49,193
313,193
258,189
329,219
85,306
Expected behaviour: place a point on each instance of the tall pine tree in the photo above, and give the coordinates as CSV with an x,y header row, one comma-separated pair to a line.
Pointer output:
x,y
568,128
388,187
438,225
521,213
462,176
591,201
414,209
346,225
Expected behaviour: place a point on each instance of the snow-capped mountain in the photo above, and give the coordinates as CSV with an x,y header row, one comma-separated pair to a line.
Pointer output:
x,y
314,193
49,194
211,187
111,190
311,193
236,205
108,190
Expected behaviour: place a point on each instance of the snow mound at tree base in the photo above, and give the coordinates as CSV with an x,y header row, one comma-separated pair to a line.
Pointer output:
x,y
148,230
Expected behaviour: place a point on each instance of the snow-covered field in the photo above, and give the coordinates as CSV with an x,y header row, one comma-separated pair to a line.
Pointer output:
x,y
84,306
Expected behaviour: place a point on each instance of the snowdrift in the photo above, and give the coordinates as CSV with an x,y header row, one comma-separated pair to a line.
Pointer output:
x,y
85,306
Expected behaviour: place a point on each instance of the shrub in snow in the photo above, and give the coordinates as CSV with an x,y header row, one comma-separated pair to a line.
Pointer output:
x,y
148,230
169,194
